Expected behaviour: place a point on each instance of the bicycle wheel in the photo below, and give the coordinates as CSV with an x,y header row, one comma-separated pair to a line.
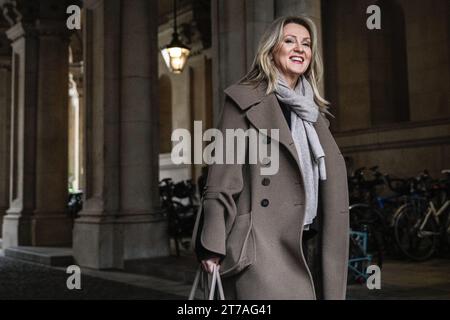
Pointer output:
x,y
365,219
415,242
358,260
446,231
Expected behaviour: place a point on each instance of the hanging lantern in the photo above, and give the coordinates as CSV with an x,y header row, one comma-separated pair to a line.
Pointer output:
x,y
175,54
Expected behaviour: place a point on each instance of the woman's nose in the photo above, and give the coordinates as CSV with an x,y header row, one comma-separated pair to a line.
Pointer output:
x,y
298,48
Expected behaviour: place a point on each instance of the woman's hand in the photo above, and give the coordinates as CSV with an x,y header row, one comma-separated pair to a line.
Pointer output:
x,y
209,263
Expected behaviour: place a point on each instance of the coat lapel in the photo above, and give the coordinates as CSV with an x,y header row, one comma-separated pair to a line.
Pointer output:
x,y
264,112
268,115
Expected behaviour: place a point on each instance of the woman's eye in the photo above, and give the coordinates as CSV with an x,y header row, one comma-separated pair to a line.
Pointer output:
x,y
288,41
307,44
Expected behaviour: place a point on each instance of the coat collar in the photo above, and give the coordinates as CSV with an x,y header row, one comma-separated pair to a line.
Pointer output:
x,y
246,95
264,112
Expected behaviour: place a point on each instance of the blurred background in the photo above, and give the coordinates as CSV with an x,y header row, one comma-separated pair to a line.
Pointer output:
x,y
90,92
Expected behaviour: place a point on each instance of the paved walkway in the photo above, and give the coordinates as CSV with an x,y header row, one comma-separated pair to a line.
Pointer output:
x,y
409,280
25,280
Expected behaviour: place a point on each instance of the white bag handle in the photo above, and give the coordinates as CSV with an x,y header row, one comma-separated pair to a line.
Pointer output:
x,y
195,284
216,281
219,284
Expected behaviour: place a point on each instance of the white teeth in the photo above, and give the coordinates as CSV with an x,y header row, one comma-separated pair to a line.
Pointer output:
x,y
297,59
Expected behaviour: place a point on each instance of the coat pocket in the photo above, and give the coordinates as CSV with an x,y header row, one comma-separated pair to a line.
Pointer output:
x,y
240,246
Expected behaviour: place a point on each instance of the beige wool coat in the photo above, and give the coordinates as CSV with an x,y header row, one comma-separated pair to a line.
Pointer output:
x,y
257,224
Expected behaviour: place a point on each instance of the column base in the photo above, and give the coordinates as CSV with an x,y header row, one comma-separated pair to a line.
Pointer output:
x,y
16,230
93,243
101,242
144,239
51,230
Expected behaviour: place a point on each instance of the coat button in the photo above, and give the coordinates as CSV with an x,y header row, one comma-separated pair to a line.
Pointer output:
x,y
265,181
264,202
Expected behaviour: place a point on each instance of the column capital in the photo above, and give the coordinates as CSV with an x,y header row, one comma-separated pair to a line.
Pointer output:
x,y
15,11
41,28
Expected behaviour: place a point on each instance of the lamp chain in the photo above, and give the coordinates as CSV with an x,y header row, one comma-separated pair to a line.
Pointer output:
x,y
175,15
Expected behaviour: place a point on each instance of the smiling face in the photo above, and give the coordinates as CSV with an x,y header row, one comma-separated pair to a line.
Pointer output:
x,y
293,55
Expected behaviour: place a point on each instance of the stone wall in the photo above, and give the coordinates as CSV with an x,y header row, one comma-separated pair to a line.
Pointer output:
x,y
403,148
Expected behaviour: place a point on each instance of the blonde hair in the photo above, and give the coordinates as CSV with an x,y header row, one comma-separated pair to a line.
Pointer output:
x,y
263,69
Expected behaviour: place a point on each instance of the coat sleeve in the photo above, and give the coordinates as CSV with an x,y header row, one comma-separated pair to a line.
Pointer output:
x,y
223,187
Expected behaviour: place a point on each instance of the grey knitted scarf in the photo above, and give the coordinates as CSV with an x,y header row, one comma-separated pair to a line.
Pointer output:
x,y
304,113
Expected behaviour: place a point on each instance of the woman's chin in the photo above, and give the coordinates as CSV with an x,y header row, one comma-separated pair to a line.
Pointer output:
x,y
297,73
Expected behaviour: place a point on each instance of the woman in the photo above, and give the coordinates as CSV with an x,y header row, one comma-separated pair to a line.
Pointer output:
x,y
283,236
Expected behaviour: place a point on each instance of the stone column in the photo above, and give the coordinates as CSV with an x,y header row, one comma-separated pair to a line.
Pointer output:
x,y
5,124
76,111
120,219
38,198
51,225
143,229
236,29
17,222
73,132
76,124
81,132
200,79
74,137
93,234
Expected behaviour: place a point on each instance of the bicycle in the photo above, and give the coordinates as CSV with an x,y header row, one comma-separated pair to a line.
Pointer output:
x,y
359,258
180,203
365,218
421,223
74,204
